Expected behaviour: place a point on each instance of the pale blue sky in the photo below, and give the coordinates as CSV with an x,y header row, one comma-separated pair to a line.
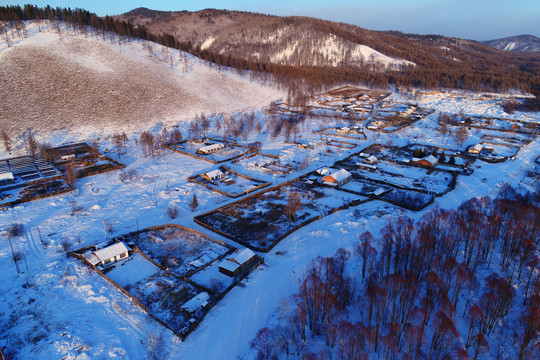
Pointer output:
x,y
471,19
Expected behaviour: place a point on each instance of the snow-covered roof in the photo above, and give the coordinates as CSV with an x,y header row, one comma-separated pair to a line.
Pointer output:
x,y
234,262
372,159
368,166
243,255
478,147
229,265
6,176
211,147
322,171
111,251
339,175
214,173
432,159
92,259
196,302
379,191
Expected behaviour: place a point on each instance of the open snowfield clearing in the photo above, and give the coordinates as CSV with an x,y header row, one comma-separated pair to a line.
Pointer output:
x,y
132,270
69,81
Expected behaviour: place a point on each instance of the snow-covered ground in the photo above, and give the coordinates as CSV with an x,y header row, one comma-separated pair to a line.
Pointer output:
x,y
58,308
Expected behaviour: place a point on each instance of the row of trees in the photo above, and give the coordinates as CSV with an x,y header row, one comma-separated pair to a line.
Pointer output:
x,y
155,145
472,266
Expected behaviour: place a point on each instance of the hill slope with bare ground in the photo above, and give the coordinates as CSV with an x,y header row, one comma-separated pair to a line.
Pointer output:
x,y
297,41
55,80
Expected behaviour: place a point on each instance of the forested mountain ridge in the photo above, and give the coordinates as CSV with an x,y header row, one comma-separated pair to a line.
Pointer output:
x,y
418,60
281,49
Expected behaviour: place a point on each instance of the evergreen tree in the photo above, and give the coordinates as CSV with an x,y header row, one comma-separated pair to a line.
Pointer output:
x,y
194,203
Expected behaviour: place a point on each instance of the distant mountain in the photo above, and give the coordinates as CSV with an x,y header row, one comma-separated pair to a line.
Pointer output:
x,y
528,43
302,47
303,41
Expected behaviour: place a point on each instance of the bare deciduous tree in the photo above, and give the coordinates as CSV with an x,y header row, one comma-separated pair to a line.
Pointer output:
x,y
461,135
172,211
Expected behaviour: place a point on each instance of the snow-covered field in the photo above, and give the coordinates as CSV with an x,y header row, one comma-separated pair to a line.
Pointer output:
x,y
56,307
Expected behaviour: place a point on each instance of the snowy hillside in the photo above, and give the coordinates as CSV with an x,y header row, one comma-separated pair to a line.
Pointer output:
x,y
516,43
60,79
335,51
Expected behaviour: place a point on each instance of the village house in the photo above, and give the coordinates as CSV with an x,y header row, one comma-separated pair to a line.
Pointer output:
x,y
371,160
205,150
344,130
427,161
213,175
195,303
477,149
109,254
337,178
232,266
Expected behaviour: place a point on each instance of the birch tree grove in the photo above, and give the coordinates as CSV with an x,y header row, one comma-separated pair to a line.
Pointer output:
x,y
411,286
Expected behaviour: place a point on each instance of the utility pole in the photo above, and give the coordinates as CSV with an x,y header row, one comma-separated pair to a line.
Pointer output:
x,y
24,257
39,232
105,229
14,257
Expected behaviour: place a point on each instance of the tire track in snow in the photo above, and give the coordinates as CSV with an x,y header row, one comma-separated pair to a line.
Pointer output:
x,y
131,324
35,248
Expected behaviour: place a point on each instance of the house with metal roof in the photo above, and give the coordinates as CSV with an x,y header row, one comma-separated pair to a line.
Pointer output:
x,y
337,178
210,148
109,254
232,266
213,175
